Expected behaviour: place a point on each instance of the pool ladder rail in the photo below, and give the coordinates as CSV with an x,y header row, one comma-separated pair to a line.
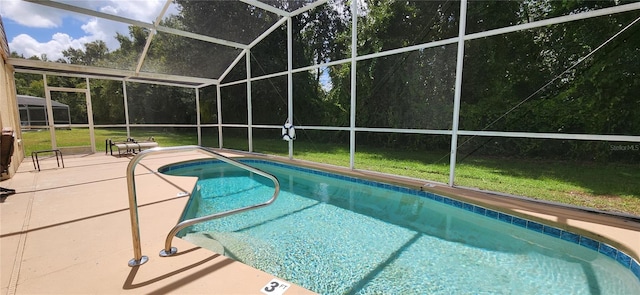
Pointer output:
x,y
140,259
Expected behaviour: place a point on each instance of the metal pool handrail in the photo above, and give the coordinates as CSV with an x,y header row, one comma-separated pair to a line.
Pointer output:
x,y
138,258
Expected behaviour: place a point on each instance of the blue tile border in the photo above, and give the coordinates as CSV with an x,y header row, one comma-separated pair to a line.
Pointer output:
x,y
534,226
570,237
519,222
552,231
595,245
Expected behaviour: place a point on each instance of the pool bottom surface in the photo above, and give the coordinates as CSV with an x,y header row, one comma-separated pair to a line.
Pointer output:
x,y
363,240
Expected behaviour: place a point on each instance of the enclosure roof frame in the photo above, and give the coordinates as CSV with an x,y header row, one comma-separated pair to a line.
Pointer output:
x,y
54,68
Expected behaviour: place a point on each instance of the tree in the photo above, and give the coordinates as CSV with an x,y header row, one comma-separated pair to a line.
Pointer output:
x,y
408,90
93,53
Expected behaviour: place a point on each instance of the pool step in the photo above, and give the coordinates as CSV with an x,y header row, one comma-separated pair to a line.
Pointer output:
x,y
206,241
241,247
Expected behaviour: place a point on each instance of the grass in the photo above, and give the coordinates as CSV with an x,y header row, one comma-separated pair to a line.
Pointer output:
x,y
78,137
610,187
605,186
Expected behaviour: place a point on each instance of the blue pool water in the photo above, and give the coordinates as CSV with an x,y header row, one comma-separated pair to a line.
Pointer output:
x,y
338,235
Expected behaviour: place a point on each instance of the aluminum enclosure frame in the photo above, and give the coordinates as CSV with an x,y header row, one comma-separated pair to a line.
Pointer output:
x,y
138,76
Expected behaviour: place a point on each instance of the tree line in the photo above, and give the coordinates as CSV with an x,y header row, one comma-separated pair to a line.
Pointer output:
x,y
536,80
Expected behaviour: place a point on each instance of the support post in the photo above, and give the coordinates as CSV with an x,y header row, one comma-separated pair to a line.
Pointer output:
x,y
50,120
126,107
219,110
199,128
352,112
249,108
290,79
458,91
92,131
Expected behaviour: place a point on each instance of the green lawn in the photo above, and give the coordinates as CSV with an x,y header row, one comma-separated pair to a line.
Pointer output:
x,y
40,140
605,186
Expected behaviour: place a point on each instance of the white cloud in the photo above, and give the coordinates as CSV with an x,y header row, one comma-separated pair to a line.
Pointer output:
x,y
98,30
28,46
146,11
95,29
30,15
39,16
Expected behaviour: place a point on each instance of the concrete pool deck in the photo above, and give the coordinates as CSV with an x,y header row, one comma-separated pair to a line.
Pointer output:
x,y
68,230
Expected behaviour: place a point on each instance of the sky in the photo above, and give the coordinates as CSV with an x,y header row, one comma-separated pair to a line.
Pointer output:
x,y
37,30
34,29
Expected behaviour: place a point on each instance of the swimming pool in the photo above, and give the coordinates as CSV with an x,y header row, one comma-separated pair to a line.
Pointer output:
x,y
335,234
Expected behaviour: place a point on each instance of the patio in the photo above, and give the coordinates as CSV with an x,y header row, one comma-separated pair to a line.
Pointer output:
x,y
67,231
